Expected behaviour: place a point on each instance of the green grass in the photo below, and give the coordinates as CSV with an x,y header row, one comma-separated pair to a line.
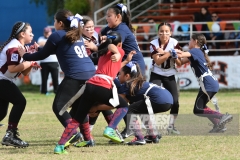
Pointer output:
x,y
42,130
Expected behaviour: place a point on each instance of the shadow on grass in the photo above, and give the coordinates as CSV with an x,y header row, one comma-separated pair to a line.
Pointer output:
x,y
30,88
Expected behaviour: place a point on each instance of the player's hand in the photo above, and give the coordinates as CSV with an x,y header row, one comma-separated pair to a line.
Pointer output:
x,y
21,50
179,53
35,65
93,112
33,48
130,55
90,45
160,50
115,57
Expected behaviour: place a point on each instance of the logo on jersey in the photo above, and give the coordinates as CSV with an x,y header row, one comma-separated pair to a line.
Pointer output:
x,y
14,57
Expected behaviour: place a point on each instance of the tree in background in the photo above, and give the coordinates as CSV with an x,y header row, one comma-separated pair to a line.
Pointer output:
x,y
76,6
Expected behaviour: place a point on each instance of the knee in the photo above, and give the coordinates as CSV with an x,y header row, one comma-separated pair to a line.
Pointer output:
x,y
22,102
55,108
175,108
196,111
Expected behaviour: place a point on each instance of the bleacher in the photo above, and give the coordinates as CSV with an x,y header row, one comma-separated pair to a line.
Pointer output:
x,y
227,10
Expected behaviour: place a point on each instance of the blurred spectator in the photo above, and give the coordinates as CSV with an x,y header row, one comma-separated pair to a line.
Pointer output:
x,y
49,65
235,35
150,35
202,16
215,35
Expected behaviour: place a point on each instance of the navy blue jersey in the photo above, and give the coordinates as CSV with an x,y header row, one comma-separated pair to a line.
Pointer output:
x,y
129,43
199,66
156,94
72,57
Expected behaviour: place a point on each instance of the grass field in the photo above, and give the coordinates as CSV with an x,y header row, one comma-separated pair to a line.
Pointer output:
x,y
42,130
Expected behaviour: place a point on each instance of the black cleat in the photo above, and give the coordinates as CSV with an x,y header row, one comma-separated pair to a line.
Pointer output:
x,y
89,143
126,133
11,139
150,139
74,138
135,141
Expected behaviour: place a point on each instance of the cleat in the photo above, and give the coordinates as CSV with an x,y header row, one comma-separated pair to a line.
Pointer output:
x,y
126,133
173,130
216,129
119,135
226,118
12,139
135,141
59,149
75,138
111,134
89,143
150,139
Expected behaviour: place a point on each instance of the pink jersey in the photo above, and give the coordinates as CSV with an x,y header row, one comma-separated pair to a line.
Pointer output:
x,y
10,56
107,67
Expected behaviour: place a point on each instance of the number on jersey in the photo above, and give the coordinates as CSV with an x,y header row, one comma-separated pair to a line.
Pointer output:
x,y
81,52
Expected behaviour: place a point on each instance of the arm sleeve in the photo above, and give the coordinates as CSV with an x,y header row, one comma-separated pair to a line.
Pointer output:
x,y
48,49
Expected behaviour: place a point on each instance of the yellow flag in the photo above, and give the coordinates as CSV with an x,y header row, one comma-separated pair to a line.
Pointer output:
x,y
209,24
135,27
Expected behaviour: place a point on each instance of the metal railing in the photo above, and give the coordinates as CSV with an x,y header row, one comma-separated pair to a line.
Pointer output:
x,y
96,20
190,32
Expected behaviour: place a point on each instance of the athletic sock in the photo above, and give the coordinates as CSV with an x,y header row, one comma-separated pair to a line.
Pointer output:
x,y
85,130
137,131
70,130
211,113
117,116
12,125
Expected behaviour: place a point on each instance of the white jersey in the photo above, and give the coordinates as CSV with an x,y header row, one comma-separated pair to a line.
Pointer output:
x,y
167,68
51,58
10,56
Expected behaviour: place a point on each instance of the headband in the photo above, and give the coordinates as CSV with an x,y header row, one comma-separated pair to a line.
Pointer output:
x,y
132,66
122,7
204,47
75,20
20,28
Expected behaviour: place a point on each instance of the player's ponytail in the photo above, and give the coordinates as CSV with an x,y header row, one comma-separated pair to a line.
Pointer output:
x,y
201,42
71,24
136,81
17,28
112,38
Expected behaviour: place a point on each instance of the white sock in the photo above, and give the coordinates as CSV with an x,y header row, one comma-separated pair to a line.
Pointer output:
x,y
171,120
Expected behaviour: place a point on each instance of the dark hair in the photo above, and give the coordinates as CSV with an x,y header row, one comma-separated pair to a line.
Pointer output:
x,y
206,8
17,28
73,34
136,78
201,41
165,24
103,48
126,17
86,19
